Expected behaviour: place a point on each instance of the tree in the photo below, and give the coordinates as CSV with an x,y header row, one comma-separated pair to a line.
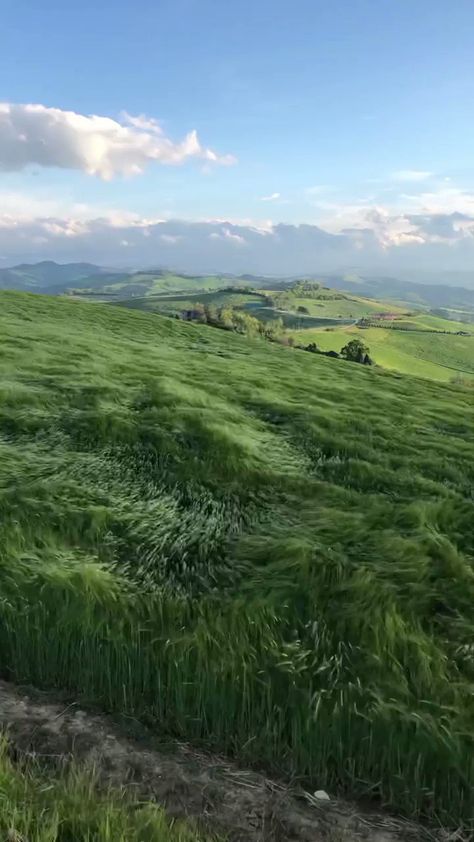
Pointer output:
x,y
274,328
355,351
226,318
303,310
212,317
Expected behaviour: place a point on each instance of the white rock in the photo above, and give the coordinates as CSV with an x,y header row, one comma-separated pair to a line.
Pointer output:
x,y
321,795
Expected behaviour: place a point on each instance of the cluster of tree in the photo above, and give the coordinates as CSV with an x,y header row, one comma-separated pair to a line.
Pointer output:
x,y
229,318
408,327
355,351
285,299
313,289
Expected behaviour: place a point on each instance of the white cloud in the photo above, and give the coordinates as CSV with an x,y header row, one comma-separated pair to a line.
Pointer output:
x,y
411,175
227,234
376,239
271,198
100,146
426,229
444,200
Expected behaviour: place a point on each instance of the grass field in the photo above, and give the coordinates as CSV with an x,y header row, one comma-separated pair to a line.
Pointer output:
x,y
436,356
349,307
249,546
168,304
166,283
421,352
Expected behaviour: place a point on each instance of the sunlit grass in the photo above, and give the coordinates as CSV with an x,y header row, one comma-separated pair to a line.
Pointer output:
x,y
255,547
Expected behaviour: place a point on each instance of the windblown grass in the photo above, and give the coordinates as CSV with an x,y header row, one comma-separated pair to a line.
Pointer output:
x,y
255,547
38,808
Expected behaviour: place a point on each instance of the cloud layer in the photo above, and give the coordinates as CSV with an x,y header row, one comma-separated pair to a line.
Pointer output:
x,y
100,146
380,242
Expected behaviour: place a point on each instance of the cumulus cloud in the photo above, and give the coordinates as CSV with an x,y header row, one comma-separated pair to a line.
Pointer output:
x,y
411,175
227,234
431,230
271,198
380,242
100,146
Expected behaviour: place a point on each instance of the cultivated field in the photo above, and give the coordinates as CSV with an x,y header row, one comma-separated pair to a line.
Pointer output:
x,y
255,548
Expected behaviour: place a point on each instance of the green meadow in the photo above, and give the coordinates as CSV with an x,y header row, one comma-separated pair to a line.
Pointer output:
x,y
427,346
434,355
264,551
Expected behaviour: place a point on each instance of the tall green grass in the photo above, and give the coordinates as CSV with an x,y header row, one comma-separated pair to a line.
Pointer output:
x,y
37,807
244,545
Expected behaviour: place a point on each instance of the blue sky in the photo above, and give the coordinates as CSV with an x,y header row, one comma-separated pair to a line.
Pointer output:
x,y
336,107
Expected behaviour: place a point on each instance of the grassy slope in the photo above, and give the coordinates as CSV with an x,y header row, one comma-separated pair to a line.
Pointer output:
x,y
350,307
435,356
254,546
170,283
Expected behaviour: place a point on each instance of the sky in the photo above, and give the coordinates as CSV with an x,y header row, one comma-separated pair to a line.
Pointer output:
x,y
341,133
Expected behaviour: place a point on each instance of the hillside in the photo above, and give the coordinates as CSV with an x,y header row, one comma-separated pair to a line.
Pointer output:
x,y
246,545
47,275
435,355
85,278
411,292
412,341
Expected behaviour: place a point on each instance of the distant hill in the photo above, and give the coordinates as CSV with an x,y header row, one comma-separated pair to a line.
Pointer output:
x,y
39,277
56,278
425,295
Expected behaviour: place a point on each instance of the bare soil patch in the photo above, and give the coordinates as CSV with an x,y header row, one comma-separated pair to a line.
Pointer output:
x,y
243,806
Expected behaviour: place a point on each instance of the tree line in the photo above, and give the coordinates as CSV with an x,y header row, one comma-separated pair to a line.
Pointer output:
x,y
228,318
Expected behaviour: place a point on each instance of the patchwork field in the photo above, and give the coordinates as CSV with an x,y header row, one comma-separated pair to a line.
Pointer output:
x,y
244,545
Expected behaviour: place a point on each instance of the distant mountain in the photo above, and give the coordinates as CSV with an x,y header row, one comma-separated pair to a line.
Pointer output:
x,y
47,275
57,278
423,295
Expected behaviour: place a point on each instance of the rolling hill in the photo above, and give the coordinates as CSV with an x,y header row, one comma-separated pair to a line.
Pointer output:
x,y
47,275
263,550
54,278
413,341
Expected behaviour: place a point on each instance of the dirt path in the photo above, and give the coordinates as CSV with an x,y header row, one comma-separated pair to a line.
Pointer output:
x,y
222,798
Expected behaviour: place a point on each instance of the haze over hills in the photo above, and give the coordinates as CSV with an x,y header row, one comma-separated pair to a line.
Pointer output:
x,y
46,275
220,246
57,278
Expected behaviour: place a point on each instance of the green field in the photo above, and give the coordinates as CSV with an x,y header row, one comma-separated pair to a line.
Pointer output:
x,y
148,283
436,356
169,304
256,548
419,351
349,307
